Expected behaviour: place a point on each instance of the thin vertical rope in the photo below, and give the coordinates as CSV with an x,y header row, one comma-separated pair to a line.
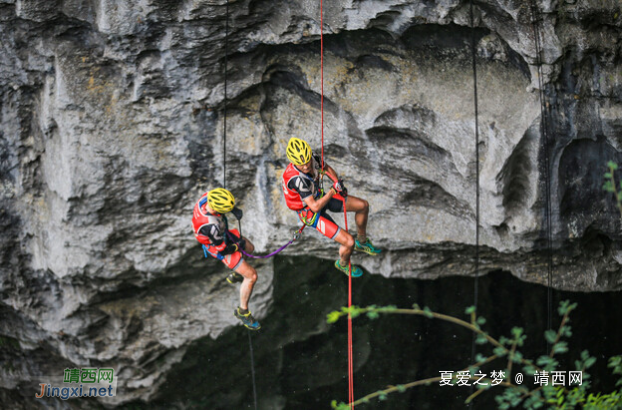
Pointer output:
x,y
250,345
350,351
477,187
224,132
224,182
322,78
350,341
544,126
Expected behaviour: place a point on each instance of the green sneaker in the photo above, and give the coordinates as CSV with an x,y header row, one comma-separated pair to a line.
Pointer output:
x,y
247,319
367,247
356,271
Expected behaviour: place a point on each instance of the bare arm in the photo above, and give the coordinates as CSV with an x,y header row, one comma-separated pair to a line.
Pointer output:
x,y
331,171
317,205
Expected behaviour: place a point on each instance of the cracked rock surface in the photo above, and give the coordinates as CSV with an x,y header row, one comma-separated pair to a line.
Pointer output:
x,y
111,126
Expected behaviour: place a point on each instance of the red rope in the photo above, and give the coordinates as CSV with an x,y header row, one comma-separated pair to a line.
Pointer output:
x,y
322,78
345,217
350,355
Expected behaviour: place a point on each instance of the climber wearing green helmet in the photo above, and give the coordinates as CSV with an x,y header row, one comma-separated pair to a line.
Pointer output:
x,y
301,187
212,231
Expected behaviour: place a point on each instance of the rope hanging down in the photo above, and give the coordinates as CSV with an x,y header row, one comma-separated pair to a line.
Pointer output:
x,y
345,217
224,152
224,122
322,80
224,180
477,188
544,126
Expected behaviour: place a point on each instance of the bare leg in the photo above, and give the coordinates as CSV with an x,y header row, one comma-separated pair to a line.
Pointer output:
x,y
250,277
361,207
250,248
347,245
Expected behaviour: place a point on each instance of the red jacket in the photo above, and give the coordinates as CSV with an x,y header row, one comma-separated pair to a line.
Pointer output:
x,y
201,218
292,198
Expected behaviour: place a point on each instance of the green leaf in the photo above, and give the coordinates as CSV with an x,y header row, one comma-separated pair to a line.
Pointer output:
x,y
566,307
560,347
470,310
518,356
590,362
373,314
500,351
608,175
549,392
481,339
517,332
529,369
427,312
332,317
612,165
481,320
521,340
339,406
550,336
382,396
616,363
401,388
543,360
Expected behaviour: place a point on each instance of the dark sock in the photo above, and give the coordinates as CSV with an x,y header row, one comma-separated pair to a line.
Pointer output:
x,y
361,238
242,311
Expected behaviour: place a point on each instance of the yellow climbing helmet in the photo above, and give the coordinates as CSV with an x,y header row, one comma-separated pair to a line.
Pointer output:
x,y
298,151
220,200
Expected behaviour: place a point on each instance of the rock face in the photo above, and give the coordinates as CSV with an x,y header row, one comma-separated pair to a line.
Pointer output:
x,y
112,116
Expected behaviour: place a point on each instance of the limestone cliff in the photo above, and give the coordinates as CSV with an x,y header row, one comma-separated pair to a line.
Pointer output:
x,y
111,127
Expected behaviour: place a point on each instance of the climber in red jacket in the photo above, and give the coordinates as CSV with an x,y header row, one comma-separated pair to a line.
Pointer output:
x,y
211,229
301,187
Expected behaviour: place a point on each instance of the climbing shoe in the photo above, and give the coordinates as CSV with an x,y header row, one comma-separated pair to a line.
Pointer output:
x,y
356,271
366,247
233,278
247,319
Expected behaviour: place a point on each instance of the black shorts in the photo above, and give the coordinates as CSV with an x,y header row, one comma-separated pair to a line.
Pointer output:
x,y
334,205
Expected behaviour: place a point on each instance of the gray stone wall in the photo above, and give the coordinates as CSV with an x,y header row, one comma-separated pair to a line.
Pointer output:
x,y
111,127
